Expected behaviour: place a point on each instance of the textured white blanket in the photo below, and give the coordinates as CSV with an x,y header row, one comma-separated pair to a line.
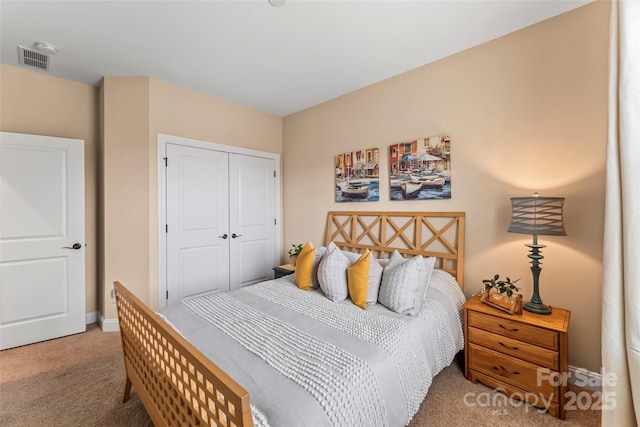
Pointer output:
x,y
306,360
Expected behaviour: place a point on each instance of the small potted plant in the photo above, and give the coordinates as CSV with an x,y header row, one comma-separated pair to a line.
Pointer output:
x,y
501,286
294,252
495,289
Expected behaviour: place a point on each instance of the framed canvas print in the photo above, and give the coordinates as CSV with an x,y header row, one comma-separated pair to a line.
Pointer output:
x,y
420,169
357,176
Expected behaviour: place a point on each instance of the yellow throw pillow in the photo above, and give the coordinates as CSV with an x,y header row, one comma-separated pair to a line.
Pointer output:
x,y
358,280
304,266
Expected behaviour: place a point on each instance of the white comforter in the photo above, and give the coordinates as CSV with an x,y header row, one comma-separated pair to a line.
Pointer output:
x,y
306,360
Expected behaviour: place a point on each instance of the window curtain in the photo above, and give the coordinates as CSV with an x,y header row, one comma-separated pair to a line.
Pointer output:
x,y
621,278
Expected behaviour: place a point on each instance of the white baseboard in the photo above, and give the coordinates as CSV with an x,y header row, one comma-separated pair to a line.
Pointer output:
x,y
586,379
91,317
109,325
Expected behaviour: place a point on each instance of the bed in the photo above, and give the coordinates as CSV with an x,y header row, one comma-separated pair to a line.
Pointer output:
x,y
273,354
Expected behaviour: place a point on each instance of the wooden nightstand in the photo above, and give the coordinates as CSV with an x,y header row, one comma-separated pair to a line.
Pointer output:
x,y
524,356
283,270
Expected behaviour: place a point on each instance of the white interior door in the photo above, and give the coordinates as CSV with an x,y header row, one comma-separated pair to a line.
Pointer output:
x,y
197,221
252,219
42,256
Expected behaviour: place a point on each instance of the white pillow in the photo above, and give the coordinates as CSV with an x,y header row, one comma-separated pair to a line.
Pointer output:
x,y
404,283
383,261
332,273
317,257
375,275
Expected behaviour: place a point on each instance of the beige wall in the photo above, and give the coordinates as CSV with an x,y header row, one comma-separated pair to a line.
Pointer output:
x,y
125,165
526,112
36,103
119,123
135,111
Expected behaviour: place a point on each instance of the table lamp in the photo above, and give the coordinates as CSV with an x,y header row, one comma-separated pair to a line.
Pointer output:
x,y
537,216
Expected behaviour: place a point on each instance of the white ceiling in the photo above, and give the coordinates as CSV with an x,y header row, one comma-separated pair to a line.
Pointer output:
x,y
276,59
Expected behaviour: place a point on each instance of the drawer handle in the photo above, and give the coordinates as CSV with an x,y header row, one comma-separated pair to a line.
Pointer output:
x,y
507,347
507,329
495,368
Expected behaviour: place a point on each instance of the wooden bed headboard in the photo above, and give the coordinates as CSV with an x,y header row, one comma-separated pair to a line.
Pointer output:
x,y
430,234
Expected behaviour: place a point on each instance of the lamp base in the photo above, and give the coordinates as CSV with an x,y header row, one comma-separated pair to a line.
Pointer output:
x,y
537,308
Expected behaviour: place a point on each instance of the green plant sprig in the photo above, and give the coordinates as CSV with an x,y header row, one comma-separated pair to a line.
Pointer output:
x,y
503,286
295,250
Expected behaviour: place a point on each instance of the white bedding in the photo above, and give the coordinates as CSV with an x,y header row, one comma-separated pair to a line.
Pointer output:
x,y
308,361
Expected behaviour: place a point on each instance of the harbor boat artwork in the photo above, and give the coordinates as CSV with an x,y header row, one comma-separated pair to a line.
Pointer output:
x,y
420,169
357,176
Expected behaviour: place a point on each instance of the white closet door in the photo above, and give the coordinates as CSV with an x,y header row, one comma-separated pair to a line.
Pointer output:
x,y
252,219
42,256
198,222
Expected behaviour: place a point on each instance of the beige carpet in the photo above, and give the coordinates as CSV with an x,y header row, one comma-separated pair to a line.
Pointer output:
x,y
78,380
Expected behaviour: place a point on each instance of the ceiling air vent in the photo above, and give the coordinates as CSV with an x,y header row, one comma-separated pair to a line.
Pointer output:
x,y
33,58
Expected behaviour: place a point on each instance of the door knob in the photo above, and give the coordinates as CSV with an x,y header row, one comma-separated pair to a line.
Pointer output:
x,y
224,236
75,246
234,235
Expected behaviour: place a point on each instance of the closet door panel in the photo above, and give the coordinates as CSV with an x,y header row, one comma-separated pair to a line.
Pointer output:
x,y
197,221
251,219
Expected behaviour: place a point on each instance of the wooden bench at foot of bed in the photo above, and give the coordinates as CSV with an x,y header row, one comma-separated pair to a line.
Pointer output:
x,y
176,383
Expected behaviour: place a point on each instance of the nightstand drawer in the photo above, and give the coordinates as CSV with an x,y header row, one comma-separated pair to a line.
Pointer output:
x,y
516,330
513,371
520,349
